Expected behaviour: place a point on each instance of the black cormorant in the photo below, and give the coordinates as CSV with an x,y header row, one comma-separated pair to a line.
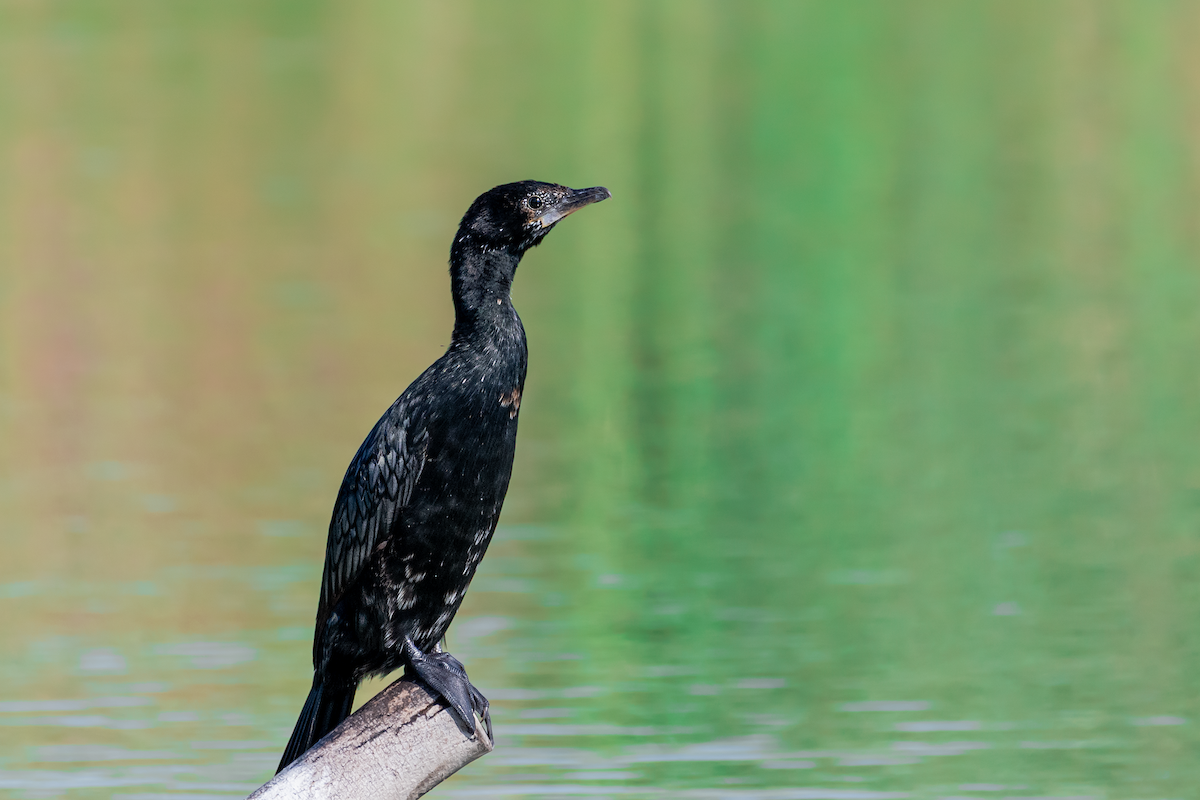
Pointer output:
x,y
421,497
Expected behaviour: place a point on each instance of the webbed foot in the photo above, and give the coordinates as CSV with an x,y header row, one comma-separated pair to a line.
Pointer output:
x,y
446,675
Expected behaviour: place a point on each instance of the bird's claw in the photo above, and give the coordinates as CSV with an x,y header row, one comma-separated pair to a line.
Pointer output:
x,y
446,675
481,706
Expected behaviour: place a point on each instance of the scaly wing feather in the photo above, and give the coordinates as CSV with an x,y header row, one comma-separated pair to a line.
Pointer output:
x,y
375,490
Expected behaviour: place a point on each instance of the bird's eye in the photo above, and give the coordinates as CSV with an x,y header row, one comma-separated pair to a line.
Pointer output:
x,y
535,202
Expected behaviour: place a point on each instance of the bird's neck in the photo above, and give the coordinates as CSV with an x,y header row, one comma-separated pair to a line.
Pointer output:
x,y
480,281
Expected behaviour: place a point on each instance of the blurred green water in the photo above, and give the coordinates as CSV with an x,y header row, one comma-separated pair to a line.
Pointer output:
x,y
856,456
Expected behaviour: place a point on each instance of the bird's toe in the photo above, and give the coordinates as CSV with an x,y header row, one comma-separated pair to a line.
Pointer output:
x,y
481,706
445,675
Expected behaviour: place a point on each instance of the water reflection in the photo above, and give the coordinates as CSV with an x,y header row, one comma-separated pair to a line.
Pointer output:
x,y
857,456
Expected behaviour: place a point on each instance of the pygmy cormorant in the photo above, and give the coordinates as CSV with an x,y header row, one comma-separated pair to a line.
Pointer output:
x,y
421,497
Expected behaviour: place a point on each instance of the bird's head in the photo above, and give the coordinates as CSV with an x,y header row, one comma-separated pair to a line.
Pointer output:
x,y
516,216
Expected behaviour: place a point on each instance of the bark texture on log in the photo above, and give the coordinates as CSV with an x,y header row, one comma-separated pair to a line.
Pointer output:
x,y
398,746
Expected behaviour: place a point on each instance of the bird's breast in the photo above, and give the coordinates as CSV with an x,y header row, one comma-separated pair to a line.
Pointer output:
x,y
511,400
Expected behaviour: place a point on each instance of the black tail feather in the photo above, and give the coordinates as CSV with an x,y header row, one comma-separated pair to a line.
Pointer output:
x,y
327,705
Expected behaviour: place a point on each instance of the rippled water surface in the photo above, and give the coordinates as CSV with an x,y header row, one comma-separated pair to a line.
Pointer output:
x,y
858,455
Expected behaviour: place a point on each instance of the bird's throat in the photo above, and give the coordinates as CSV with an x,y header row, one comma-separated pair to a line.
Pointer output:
x,y
480,280
479,276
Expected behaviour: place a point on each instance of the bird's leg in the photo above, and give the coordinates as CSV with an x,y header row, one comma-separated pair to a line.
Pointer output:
x,y
446,675
479,703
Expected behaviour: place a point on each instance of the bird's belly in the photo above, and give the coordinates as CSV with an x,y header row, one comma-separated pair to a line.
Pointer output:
x,y
435,549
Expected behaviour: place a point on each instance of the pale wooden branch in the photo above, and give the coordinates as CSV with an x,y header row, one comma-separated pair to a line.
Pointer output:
x,y
398,746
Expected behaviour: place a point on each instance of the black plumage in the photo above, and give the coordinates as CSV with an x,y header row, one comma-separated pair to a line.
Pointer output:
x,y
420,500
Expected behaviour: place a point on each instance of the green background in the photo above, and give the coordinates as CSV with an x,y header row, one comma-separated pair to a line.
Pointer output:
x,y
857,456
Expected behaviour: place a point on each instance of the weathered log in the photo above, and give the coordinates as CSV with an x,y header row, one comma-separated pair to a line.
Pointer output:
x,y
398,746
